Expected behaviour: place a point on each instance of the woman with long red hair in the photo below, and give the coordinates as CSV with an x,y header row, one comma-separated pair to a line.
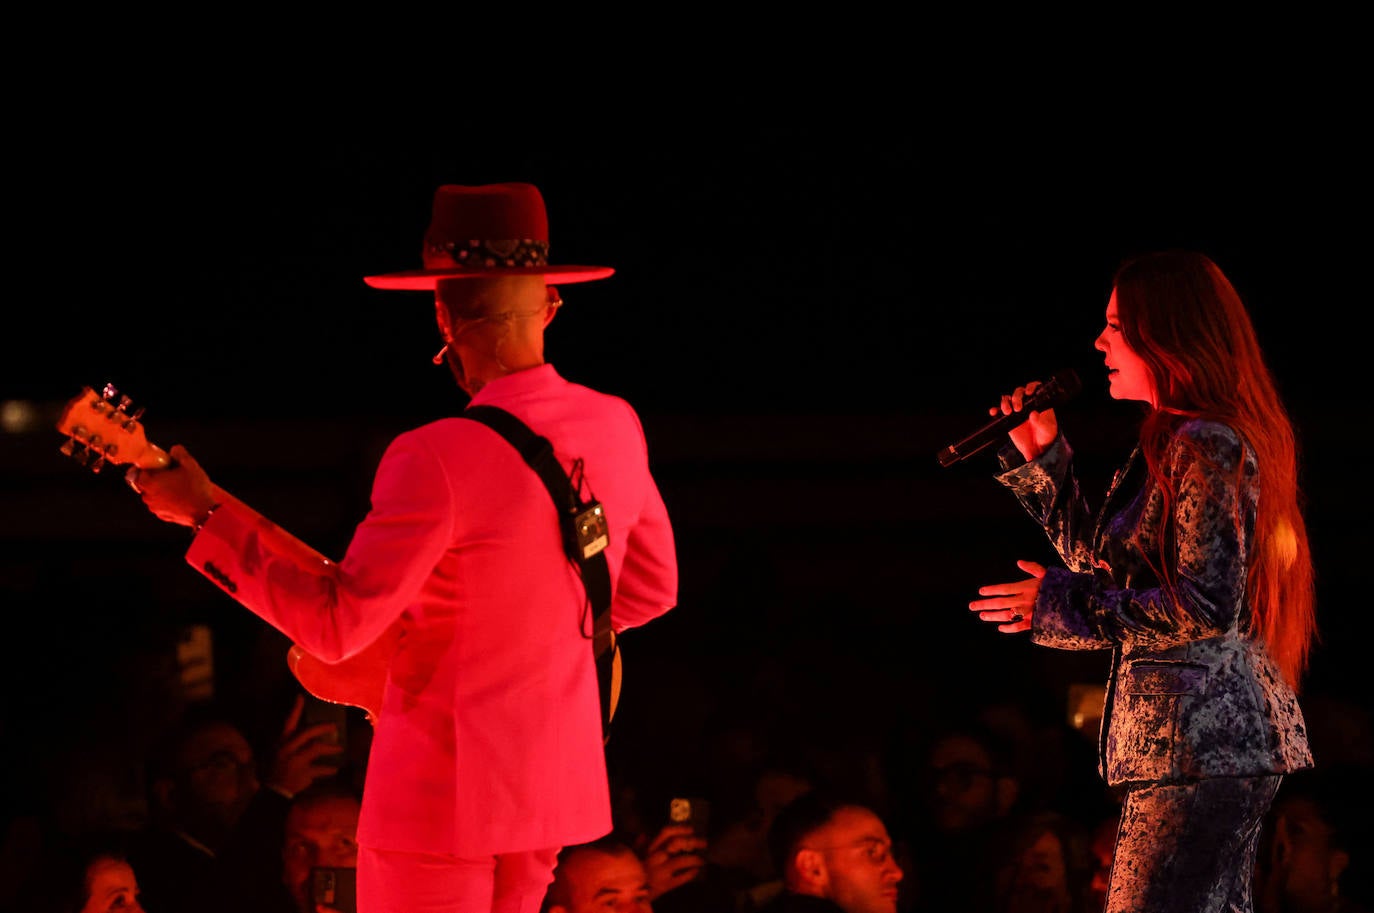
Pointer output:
x,y
1195,573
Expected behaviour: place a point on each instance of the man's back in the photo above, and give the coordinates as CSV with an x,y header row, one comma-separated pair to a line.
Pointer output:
x,y
494,675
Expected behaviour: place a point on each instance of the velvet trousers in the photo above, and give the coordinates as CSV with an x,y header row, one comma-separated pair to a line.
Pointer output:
x,y
1189,847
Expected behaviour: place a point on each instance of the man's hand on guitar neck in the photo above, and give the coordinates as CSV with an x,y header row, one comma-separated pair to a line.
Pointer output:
x,y
182,493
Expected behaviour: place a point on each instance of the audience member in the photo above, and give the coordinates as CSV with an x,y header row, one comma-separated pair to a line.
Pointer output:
x,y
110,886
215,827
834,855
746,768
739,845
86,874
603,875
682,876
959,820
321,831
1046,867
1315,848
1053,761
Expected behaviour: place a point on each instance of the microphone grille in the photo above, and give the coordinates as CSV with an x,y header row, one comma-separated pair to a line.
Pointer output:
x,y
1068,383
1060,388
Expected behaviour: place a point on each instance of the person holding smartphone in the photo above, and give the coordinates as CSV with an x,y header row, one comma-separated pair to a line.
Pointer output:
x,y
320,848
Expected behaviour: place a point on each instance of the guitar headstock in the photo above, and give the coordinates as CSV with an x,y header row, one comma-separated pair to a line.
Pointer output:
x,y
101,430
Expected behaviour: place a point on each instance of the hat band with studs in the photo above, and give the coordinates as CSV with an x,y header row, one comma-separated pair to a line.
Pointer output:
x,y
486,254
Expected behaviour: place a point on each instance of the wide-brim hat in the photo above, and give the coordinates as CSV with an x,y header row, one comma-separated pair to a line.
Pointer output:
x,y
487,230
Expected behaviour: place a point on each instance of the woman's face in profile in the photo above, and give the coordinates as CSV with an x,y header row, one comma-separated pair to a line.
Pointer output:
x,y
1127,375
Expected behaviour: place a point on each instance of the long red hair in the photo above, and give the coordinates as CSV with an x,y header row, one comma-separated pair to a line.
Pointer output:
x,y
1182,316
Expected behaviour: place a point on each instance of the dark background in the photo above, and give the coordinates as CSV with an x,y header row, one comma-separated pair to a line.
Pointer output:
x,y
805,310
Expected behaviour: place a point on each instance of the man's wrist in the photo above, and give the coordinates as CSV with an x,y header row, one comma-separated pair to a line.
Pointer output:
x,y
204,517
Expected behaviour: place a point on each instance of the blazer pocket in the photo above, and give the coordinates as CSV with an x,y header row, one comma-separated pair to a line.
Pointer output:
x,y
1164,678
1148,737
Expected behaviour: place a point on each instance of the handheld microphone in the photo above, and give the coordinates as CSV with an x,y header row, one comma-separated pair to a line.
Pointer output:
x,y
1060,388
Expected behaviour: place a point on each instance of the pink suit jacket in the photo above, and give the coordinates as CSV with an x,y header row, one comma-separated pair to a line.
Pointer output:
x,y
489,737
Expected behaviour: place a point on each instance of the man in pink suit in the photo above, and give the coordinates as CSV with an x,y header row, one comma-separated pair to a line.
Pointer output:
x,y
488,752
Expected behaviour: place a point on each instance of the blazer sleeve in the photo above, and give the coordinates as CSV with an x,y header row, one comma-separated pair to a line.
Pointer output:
x,y
335,610
1209,520
647,583
647,586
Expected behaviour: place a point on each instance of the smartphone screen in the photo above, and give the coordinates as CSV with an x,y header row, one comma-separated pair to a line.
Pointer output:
x,y
317,711
693,811
336,888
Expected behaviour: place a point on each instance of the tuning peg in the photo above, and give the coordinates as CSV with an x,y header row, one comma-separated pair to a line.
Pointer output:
x,y
123,407
109,393
78,451
68,447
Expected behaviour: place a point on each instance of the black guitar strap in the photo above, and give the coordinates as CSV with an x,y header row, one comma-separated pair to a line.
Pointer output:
x,y
584,530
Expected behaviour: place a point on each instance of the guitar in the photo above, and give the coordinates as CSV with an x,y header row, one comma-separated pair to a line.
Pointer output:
x,y
102,431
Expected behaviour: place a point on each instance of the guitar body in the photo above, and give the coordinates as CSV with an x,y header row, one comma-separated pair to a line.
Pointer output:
x,y
357,681
608,679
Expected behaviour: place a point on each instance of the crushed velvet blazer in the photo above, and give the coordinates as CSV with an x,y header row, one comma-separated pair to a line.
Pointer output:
x,y
1191,693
